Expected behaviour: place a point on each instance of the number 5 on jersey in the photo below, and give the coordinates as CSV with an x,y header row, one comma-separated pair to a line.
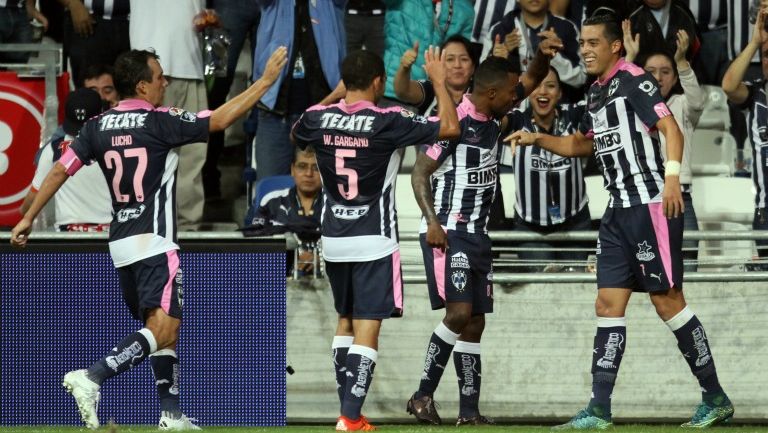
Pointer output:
x,y
351,191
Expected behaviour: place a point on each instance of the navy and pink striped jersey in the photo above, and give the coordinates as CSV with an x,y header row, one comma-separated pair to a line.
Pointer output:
x,y
134,145
621,117
464,185
358,153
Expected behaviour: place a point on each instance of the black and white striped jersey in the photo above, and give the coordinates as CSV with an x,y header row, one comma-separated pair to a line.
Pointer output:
x,y
488,13
358,153
464,185
739,28
12,4
108,9
543,180
622,111
709,14
757,104
133,144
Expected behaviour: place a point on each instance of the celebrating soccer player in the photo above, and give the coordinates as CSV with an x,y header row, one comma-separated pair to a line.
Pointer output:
x,y
640,240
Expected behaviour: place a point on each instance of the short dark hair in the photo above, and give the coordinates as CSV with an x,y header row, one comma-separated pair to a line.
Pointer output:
x,y
493,71
96,71
360,68
309,151
611,26
473,53
131,67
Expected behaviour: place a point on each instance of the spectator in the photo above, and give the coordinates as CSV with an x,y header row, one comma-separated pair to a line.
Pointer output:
x,y
579,10
424,22
752,95
313,31
712,61
518,34
100,78
95,32
487,14
83,204
684,97
15,27
658,21
364,23
460,66
240,19
550,194
296,209
176,43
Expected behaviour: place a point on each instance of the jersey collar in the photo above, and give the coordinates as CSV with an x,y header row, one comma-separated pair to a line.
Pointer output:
x,y
134,104
469,108
613,72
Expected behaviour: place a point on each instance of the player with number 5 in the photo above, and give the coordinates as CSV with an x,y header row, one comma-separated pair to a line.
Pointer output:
x,y
135,145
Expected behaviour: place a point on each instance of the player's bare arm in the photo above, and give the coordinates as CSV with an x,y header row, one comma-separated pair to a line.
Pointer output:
x,y
672,197
55,179
434,64
732,83
569,146
422,189
539,67
226,115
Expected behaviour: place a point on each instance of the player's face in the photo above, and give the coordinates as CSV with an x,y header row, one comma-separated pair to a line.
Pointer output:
x,y
505,96
534,6
305,173
104,86
661,68
597,52
546,97
458,65
154,90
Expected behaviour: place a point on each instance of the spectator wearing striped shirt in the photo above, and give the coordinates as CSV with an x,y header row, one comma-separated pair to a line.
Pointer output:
x,y
639,245
658,21
685,98
712,19
95,32
752,95
550,194
15,27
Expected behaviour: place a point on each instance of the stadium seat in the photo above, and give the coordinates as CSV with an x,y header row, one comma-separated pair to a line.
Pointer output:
x,y
723,199
408,211
508,188
715,115
713,153
598,196
262,189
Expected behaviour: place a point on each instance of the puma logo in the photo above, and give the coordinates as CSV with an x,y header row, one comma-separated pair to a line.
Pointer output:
x,y
657,276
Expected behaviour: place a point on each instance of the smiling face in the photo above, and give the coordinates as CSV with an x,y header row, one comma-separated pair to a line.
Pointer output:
x,y
533,6
458,66
545,98
660,66
599,54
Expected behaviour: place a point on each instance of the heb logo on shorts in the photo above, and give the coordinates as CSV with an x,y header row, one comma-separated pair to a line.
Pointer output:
x,y
459,260
349,212
644,253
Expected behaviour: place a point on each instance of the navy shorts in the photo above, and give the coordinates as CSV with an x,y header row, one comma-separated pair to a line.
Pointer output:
x,y
461,273
639,248
367,290
154,282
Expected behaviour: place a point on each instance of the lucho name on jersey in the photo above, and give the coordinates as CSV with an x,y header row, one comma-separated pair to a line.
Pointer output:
x,y
122,121
482,177
347,122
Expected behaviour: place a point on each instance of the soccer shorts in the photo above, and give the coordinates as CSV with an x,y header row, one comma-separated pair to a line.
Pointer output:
x,y
641,249
154,282
461,273
367,290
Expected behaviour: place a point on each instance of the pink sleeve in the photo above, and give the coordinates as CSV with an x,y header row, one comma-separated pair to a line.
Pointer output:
x,y
71,162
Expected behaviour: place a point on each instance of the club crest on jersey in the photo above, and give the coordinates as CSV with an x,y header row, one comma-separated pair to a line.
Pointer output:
x,y
184,114
762,132
647,87
407,113
613,86
459,280
644,253
460,260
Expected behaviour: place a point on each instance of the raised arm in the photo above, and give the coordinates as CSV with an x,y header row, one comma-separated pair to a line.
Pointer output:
x,y
572,145
694,94
226,114
422,189
732,80
55,179
449,121
406,89
539,67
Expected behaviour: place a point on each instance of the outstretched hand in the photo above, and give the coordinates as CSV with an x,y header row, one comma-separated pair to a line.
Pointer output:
x,y
683,42
631,43
521,138
275,64
434,64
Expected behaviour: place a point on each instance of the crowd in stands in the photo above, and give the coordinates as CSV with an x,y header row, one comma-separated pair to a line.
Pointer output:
x,y
685,44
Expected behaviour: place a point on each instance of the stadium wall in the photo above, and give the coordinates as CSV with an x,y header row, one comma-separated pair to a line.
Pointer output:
x,y
536,354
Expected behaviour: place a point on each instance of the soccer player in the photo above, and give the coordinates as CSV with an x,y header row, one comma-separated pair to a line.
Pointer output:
x,y
640,240
135,146
357,146
455,182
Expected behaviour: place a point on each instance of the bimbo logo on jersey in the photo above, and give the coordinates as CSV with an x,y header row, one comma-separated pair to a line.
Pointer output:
x,y
482,177
607,141
351,123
